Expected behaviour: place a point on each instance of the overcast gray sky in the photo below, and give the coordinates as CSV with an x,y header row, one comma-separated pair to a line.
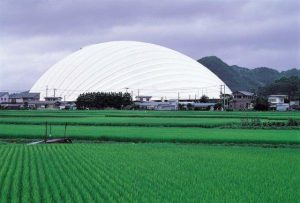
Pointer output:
x,y
35,34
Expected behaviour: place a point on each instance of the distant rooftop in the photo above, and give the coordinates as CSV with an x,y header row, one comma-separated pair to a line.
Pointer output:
x,y
26,94
53,97
143,96
3,93
245,93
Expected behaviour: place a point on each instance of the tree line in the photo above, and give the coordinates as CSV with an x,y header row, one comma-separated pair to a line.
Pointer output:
x,y
289,86
102,100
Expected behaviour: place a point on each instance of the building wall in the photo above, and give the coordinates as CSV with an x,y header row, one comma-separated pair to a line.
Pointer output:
x,y
241,101
4,98
240,104
276,100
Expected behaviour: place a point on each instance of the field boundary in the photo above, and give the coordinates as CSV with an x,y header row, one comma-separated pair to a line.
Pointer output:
x,y
104,138
229,125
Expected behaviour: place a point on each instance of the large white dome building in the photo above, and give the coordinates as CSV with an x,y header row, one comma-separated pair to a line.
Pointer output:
x,y
139,68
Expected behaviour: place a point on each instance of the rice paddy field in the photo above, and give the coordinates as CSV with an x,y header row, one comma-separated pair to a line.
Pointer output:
x,y
150,156
154,126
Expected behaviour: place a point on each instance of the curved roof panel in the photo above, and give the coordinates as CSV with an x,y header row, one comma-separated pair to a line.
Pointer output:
x,y
137,67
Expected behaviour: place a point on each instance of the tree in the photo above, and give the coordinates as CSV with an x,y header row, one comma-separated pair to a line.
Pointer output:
x,y
189,106
261,104
218,106
101,100
181,106
288,86
204,99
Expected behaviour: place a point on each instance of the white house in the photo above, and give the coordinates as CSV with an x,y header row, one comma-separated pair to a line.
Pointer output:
x,y
4,96
277,102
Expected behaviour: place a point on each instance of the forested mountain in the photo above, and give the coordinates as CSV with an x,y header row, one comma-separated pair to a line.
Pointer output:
x,y
240,78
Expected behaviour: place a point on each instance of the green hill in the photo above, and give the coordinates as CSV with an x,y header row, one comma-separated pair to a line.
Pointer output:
x,y
240,78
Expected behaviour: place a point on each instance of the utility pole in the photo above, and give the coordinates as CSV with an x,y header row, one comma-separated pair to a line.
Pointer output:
x,y
224,97
221,94
47,91
178,96
54,92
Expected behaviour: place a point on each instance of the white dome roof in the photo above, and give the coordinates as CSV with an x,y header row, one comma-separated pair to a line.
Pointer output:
x,y
140,68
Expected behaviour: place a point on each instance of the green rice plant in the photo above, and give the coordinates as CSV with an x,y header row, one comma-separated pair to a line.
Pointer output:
x,y
152,118
147,173
293,122
156,134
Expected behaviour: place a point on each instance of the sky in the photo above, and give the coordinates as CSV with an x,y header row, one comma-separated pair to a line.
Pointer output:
x,y
35,34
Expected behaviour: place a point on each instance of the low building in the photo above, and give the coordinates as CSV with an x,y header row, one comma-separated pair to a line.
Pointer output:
x,y
204,106
242,100
23,97
295,105
158,105
172,105
19,100
282,107
166,107
4,97
277,102
26,100
143,98
44,104
55,99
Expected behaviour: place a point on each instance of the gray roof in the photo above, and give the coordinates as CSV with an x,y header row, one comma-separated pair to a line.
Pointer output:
x,y
245,93
24,95
143,96
3,93
203,104
150,103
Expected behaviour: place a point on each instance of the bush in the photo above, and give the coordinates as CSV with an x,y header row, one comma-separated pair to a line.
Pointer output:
x,y
189,106
293,122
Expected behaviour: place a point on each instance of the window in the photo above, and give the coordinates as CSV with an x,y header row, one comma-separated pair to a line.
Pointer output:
x,y
272,100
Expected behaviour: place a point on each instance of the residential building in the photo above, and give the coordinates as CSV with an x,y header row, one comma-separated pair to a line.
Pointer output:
x,y
204,106
277,102
55,99
18,100
4,96
158,105
276,99
143,98
242,100
24,97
